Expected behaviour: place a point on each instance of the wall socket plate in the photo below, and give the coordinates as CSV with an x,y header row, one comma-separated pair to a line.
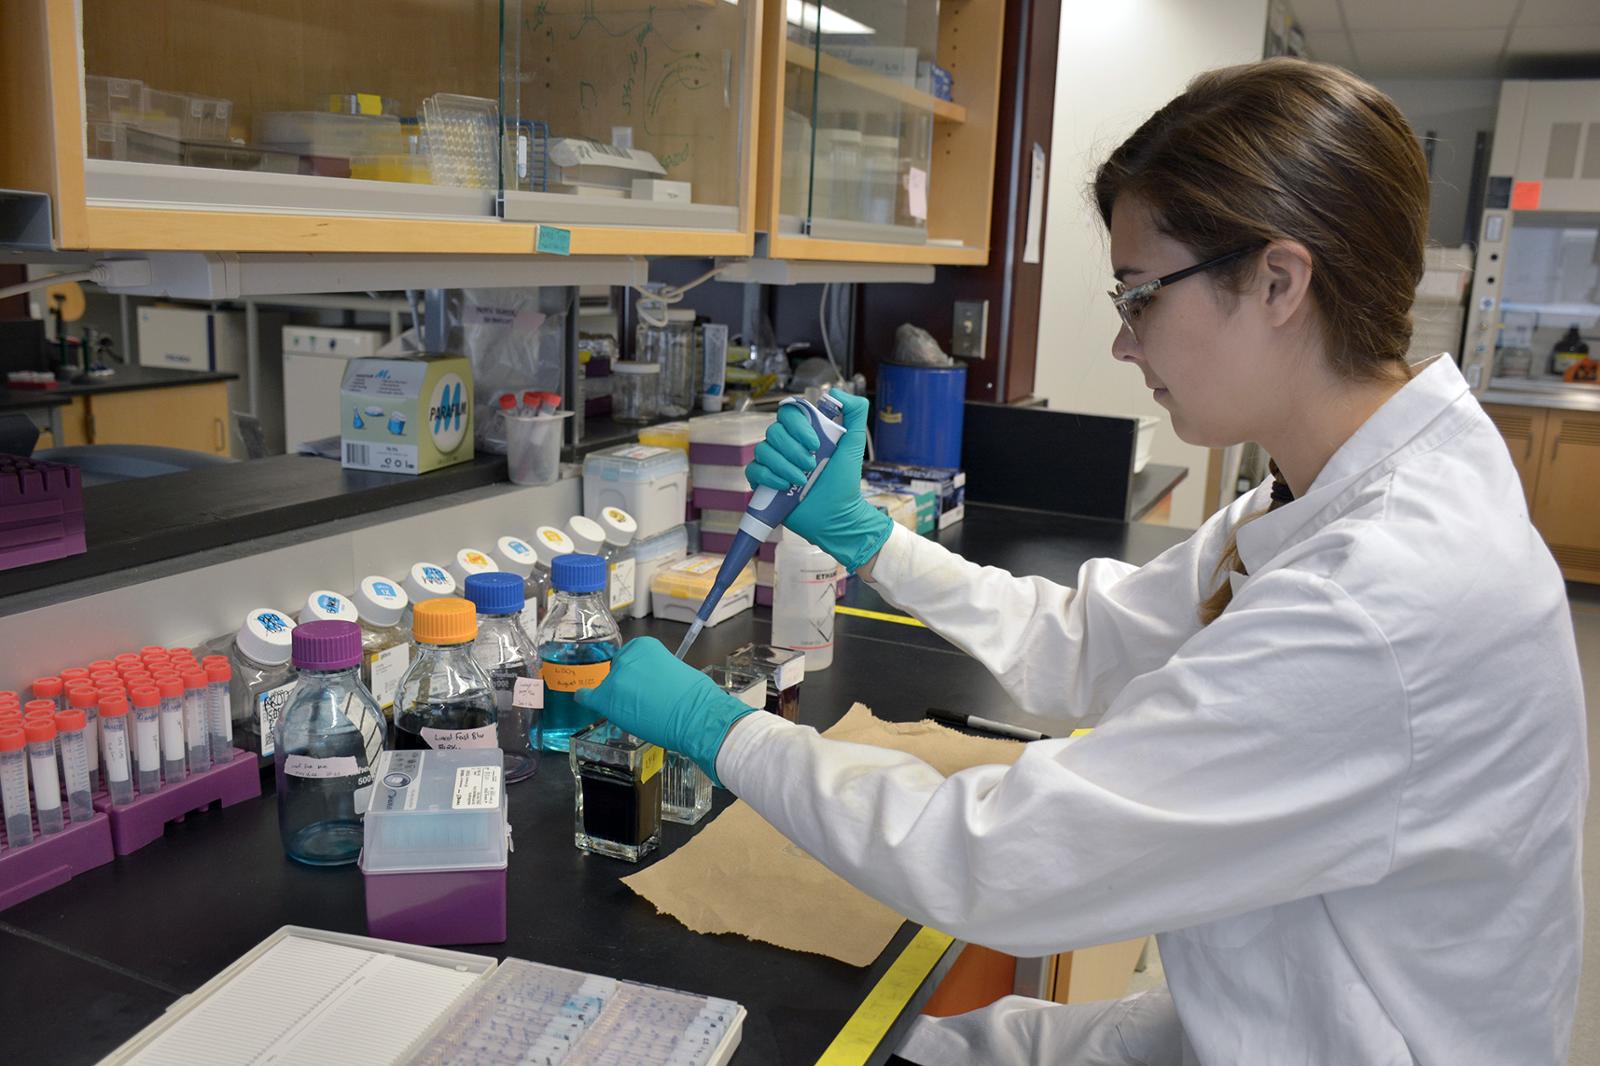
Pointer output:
x,y
969,335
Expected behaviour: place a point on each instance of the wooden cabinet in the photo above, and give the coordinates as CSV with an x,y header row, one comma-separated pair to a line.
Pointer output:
x,y
299,127
1557,453
193,417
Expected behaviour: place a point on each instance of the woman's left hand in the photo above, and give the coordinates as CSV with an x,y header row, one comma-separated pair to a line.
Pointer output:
x,y
654,696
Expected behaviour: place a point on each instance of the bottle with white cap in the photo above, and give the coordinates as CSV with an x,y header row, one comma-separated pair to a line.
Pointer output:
x,y
587,535
385,645
469,561
618,553
423,582
549,543
325,605
513,555
263,677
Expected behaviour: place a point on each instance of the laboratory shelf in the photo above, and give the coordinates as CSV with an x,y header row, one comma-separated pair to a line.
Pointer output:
x,y
52,860
800,56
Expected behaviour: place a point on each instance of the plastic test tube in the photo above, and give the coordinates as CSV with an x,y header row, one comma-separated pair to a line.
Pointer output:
x,y
48,688
147,737
173,764
219,708
46,782
72,736
196,724
114,735
14,787
86,699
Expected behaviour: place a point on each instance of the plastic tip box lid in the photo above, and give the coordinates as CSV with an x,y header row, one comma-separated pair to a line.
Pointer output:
x,y
736,428
635,462
435,810
692,578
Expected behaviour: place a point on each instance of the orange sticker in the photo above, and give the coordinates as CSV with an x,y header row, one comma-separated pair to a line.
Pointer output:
x,y
570,677
1525,195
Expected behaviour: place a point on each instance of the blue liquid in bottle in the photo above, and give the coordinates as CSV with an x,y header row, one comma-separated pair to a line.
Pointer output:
x,y
577,641
562,715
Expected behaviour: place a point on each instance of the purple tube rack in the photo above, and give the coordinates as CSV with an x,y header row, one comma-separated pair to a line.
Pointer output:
x,y
52,860
719,543
41,511
145,819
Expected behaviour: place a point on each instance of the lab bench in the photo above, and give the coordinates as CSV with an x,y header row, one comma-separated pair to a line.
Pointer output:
x,y
88,964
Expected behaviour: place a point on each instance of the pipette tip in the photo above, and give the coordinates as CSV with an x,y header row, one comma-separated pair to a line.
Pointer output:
x,y
689,637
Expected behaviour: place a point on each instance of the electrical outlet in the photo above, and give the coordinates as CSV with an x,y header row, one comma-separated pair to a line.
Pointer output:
x,y
969,336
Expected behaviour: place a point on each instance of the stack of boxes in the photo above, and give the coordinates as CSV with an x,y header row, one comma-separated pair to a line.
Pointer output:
x,y
650,483
937,495
720,447
41,511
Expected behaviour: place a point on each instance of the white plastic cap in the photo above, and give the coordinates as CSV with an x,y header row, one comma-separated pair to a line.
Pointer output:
x,y
266,636
471,561
429,581
549,542
515,555
711,401
380,601
586,534
619,526
325,605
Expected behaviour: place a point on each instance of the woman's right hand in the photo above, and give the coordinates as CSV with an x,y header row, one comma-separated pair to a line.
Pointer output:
x,y
833,516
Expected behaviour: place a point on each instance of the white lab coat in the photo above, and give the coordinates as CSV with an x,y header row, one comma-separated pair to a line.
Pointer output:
x,y
1351,807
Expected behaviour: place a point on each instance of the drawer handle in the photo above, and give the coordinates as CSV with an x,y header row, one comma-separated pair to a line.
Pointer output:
x,y
222,440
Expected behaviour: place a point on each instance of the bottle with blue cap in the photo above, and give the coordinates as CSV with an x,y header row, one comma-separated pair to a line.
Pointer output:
x,y
577,641
506,653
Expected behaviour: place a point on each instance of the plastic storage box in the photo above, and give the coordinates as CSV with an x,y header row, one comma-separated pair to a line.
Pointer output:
x,y
112,99
320,133
677,591
651,555
667,435
433,857
727,439
41,511
649,482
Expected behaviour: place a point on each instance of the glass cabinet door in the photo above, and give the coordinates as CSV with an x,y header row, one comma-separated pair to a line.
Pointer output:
x,y
1550,300
361,107
861,88
626,112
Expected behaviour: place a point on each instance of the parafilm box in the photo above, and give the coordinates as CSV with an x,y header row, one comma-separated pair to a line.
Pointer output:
x,y
406,416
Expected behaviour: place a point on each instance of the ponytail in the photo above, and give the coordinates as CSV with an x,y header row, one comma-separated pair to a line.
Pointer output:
x,y
1213,605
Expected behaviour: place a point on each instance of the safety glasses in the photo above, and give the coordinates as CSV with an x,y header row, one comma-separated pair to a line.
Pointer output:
x,y
1131,303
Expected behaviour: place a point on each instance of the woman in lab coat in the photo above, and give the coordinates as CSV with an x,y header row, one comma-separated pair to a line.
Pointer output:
x,y
1339,758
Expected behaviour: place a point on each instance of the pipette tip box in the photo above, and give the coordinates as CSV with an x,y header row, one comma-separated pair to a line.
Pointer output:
x,y
52,860
145,819
41,511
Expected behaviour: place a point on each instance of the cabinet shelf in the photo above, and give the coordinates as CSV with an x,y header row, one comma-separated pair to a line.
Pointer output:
x,y
834,67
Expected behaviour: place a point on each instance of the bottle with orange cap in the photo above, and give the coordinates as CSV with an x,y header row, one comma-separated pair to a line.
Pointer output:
x,y
445,699
14,785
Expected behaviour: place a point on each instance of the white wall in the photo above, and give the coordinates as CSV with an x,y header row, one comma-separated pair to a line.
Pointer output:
x,y
1455,109
1119,61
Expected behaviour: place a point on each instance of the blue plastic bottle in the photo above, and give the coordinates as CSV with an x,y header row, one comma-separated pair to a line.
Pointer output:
x,y
577,641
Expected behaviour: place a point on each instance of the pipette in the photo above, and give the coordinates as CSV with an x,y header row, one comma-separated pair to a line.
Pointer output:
x,y
768,508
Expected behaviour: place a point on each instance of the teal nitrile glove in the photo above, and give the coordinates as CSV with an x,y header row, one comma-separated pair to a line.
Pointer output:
x,y
833,516
657,698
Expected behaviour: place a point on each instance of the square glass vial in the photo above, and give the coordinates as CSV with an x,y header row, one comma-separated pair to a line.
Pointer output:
x,y
617,782
782,668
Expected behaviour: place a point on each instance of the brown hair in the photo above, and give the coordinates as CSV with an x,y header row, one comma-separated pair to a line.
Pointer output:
x,y
1290,150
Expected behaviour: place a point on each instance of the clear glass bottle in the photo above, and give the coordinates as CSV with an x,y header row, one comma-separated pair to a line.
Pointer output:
x,y
549,544
426,581
636,391
577,641
621,569
617,792
263,677
506,653
385,646
445,698
324,746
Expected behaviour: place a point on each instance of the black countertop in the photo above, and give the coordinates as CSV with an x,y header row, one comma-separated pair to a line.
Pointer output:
x,y
87,964
126,379
1150,486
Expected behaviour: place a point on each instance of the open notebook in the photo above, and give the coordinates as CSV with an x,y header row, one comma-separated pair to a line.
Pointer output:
x,y
304,996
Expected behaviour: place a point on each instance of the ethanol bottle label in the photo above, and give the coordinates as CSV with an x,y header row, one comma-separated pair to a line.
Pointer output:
x,y
570,677
622,577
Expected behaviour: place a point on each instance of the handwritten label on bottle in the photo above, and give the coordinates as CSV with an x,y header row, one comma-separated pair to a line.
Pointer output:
x,y
482,736
528,693
311,767
570,677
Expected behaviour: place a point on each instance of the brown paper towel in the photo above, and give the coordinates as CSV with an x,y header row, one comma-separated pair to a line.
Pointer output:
x,y
740,875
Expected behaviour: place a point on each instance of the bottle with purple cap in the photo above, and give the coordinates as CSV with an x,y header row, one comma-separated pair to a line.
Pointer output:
x,y
324,746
